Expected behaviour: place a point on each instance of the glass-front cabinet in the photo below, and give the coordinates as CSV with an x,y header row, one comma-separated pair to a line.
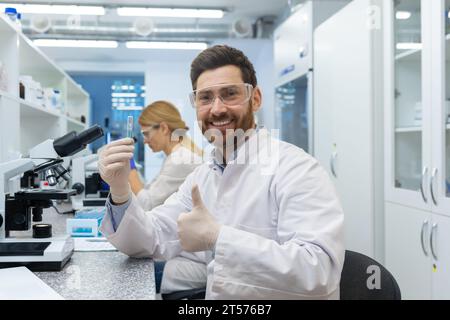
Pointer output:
x,y
417,104
440,170
417,146
293,108
408,102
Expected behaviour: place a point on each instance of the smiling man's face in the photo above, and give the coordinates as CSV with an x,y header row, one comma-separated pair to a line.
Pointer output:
x,y
219,116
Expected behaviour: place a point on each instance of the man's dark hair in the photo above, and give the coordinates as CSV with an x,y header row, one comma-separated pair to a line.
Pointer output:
x,y
220,56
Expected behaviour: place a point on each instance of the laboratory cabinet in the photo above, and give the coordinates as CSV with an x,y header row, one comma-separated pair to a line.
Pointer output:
x,y
348,121
417,145
418,251
38,100
294,70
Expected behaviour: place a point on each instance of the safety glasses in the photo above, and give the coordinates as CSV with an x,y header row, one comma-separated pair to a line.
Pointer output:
x,y
229,94
147,132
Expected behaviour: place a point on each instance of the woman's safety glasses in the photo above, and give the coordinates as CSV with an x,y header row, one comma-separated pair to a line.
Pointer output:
x,y
229,94
147,133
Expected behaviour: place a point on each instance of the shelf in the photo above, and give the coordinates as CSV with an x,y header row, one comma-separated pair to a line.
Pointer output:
x,y
415,129
75,90
8,95
29,109
408,129
415,54
31,123
34,63
410,55
75,122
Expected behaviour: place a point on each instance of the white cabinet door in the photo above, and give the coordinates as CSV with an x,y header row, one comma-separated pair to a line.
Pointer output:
x,y
440,240
344,112
440,172
324,94
408,250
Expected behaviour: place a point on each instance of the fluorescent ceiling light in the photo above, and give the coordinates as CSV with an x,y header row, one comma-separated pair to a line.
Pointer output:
x,y
166,45
403,15
134,108
75,43
170,13
56,9
409,46
124,94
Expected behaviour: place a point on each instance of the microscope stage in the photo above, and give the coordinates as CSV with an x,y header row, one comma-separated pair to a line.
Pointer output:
x,y
44,194
50,254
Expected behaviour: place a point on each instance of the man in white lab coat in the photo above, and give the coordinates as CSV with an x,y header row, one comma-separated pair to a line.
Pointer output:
x,y
260,220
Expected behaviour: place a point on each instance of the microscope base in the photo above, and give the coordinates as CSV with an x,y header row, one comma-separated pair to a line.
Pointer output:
x,y
49,254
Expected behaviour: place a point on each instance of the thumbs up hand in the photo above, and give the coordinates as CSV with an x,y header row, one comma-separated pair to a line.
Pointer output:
x,y
197,230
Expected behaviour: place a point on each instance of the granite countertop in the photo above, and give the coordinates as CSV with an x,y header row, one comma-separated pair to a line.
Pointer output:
x,y
98,275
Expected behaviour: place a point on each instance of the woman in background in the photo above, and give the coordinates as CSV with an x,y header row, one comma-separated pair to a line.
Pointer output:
x,y
164,130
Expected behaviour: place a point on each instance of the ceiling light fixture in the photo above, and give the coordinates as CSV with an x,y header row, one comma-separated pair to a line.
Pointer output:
x,y
166,45
75,43
56,9
402,15
170,13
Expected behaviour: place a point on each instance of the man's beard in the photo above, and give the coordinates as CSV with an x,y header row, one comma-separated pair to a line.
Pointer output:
x,y
245,123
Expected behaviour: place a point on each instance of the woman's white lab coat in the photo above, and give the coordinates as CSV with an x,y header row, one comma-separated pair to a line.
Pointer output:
x,y
176,167
282,233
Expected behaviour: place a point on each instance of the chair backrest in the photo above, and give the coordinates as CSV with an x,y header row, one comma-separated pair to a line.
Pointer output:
x,y
193,294
358,270
363,278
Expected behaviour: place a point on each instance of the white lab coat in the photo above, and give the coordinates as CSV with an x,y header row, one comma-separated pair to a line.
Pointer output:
x,y
176,167
282,225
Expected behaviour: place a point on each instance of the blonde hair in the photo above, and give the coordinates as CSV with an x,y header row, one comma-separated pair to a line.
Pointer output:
x,y
164,111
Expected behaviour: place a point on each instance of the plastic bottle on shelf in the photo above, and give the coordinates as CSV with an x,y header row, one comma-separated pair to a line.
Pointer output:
x,y
39,94
26,87
19,21
11,13
56,99
48,98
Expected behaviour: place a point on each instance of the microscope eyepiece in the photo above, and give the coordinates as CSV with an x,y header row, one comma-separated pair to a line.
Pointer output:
x,y
72,142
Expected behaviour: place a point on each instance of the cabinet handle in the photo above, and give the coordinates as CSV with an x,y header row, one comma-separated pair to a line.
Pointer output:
x,y
332,162
424,225
433,229
424,172
433,175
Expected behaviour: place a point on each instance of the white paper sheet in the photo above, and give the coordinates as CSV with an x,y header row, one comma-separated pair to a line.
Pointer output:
x,y
22,284
93,244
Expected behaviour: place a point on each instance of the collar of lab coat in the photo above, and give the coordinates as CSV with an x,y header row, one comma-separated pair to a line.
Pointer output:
x,y
243,154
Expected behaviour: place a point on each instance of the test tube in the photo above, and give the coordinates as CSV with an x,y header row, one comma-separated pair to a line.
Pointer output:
x,y
130,127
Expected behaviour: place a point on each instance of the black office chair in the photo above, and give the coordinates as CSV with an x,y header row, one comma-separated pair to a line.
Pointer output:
x,y
193,294
354,278
353,284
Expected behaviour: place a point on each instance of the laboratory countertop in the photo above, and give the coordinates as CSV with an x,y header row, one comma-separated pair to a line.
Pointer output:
x,y
98,275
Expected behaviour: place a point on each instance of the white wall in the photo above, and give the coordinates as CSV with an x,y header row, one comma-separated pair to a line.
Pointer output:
x,y
260,53
168,79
